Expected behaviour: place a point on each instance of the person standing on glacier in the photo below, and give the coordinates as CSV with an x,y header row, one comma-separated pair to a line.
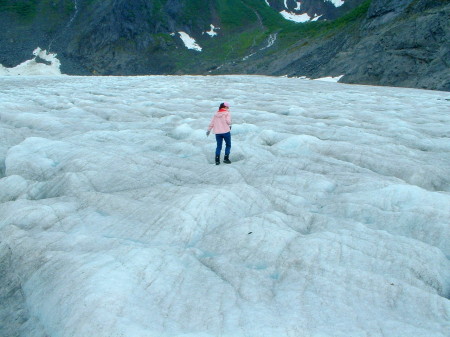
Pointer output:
x,y
221,123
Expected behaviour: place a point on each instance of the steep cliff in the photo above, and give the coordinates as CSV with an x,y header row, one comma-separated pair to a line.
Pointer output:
x,y
404,44
396,43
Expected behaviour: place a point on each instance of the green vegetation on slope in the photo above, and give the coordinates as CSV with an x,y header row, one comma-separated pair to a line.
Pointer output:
x,y
265,21
319,28
245,26
53,11
25,9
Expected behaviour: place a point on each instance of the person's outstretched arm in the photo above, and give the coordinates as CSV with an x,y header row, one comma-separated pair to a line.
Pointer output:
x,y
211,125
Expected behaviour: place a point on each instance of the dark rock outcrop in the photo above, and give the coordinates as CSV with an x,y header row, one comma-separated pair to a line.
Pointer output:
x,y
411,52
399,43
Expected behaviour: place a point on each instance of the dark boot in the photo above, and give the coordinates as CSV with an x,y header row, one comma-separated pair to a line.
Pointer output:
x,y
217,160
226,160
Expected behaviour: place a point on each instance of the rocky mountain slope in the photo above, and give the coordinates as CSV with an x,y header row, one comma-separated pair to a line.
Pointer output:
x,y
400,43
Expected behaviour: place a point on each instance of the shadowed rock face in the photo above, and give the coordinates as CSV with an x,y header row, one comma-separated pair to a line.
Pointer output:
x,y
115,36
382,7
403,43
400,43
412,53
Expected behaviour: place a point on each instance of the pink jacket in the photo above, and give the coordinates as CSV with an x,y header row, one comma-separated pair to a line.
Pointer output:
x,y
221,122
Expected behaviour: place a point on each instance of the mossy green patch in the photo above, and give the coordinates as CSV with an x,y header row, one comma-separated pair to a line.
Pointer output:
x,y
234,14
54,11
236,41
322,29
24,9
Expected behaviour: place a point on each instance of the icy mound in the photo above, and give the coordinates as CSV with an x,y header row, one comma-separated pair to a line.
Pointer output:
x,y
43,63
332,220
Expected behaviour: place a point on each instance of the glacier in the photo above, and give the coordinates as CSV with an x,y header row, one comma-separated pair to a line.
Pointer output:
x,y
332,220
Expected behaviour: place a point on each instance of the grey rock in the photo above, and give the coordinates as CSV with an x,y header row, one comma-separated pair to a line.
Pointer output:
x,y
379,8
410,53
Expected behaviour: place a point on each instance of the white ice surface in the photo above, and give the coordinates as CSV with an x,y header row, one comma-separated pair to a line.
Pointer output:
x,y
330,78
332,220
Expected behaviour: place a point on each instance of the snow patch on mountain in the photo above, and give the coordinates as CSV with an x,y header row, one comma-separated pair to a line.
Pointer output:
x,y
212,31
337,3
298,17
189,41
43,63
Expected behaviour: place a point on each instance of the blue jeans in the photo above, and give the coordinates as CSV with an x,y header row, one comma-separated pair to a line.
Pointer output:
x,y
219,139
